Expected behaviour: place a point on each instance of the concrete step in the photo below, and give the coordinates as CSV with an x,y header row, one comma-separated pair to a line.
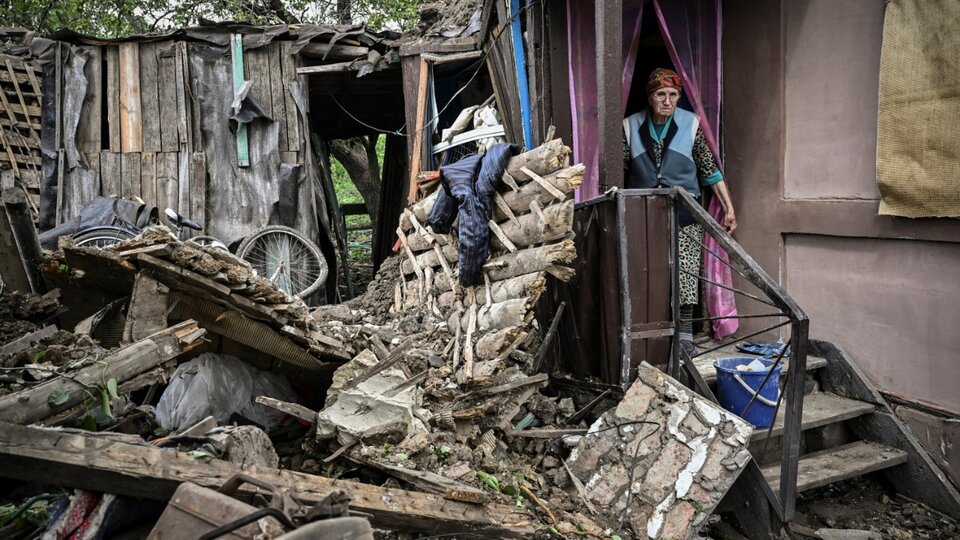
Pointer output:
x,y
820,409
835,464
709,373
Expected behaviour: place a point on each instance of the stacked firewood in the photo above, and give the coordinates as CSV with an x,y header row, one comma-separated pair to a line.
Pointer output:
x,y
531,236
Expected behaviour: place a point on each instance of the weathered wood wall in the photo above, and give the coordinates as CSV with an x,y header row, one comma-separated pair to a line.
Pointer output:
x,y
139,130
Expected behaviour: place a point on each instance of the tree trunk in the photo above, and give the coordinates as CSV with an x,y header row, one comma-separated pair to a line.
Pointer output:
x,y
359,157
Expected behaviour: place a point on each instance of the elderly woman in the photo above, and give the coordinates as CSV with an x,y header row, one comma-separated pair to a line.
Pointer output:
x,y
664,147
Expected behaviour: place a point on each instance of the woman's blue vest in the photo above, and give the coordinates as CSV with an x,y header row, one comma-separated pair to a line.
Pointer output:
x,y
677,167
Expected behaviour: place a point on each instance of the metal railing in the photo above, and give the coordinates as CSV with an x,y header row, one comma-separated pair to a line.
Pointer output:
x,y
774,296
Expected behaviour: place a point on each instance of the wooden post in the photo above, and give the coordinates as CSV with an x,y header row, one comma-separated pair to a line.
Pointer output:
x,y
793,417
608,23
236,54
418,128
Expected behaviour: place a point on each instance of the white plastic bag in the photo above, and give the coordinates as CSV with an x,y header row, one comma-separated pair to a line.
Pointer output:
x,y
220,385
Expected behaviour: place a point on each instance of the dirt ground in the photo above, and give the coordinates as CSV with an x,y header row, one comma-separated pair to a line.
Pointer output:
x,y
865,504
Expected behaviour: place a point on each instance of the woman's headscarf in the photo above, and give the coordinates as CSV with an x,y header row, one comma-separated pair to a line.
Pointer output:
x,y
662,77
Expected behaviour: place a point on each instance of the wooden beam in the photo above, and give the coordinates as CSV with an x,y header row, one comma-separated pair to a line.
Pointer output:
x,y
418,127
33,404
100,462
293,409
608,24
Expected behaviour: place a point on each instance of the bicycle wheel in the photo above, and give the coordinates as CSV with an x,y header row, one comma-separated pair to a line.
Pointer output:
x,y
287,258
102,236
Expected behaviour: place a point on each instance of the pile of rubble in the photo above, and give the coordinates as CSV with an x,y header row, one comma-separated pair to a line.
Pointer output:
x,y
421,405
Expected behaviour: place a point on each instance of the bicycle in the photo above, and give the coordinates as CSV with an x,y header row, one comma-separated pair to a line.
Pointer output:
x,y
291,261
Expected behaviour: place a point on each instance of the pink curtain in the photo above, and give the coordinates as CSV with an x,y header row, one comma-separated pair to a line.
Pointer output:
x,y
582,50
691,30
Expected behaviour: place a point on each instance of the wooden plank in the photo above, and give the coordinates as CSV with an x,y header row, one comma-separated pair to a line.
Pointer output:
x,y
96,462
27,341
835,464
112,53
184,131
110,185
148,177
820,409
167,182
166,270
149,97
278,105
167,96
130,175
257,62
198,189
89,128
418,128
32,405
289,73
18,217
131,122
93,162
236,57
293,409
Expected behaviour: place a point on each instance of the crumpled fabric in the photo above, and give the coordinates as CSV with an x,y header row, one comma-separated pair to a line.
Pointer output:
x,y
720,300
468,187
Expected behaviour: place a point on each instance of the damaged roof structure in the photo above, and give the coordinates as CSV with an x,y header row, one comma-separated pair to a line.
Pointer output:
x,y
514,368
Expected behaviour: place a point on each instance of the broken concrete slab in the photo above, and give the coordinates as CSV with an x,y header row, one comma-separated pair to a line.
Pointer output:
x,y
664,455
372,412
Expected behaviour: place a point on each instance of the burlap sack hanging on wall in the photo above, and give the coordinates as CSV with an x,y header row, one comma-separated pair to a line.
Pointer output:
x,y
918,145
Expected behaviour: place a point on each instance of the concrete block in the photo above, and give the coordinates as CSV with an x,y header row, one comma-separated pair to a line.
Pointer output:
x,y
664,452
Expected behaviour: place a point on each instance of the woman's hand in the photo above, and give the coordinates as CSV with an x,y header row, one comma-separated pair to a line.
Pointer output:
x,y
729,222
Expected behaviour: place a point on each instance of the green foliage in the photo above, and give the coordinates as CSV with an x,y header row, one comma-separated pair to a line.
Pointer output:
x,y
126,17
490,480
58,397
39,356
32,513
443,453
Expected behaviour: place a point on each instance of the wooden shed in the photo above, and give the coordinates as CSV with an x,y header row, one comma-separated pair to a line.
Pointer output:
x,y
215,122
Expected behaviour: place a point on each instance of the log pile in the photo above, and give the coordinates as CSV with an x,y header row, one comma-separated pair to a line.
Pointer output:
x,y
531,236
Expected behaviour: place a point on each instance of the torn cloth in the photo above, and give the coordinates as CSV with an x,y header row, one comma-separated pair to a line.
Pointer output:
x,y
468,186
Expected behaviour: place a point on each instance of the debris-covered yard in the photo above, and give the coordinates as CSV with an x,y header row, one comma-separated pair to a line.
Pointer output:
x,y
422,405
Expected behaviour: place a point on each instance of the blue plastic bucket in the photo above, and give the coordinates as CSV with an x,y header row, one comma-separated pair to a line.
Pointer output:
x,y
736,388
